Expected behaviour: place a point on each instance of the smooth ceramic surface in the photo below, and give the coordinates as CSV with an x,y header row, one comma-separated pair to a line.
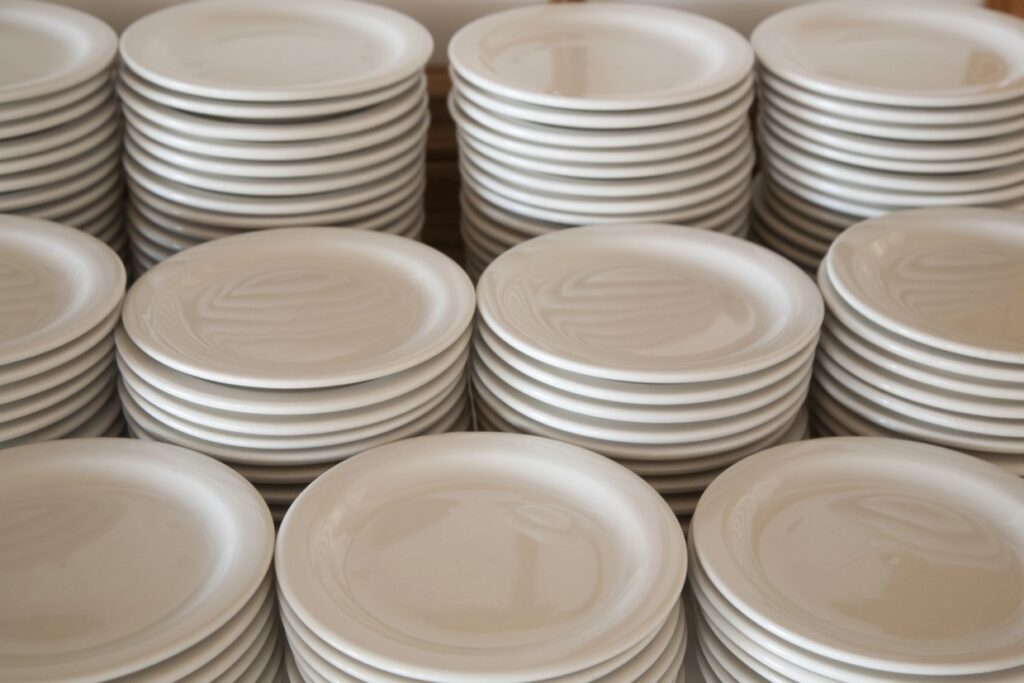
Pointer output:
x,y
950,279
491,501
410,303
49,48
600,57
901,607
147,505
689,312
903,54
264,52
57,284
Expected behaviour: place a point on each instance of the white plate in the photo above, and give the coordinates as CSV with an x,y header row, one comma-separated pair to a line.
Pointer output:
x,y
57,284
793,231
563,299
377,618
73,149
951,279
56,139
84,162
147,190
536,133
930,183
336,307
47,202
596,154
31,427
892,131
626,189
895,53
343,163
604,171
35,124
266,52
406,105
600,57
262,111
271,187
98,371
919,590
44,104
666,394
133,510
945,151
54,377
217,202
880,163
908,348
628,208
54,48
600,120
943,116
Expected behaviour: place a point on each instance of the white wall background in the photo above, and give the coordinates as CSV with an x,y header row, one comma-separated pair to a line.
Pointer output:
x,y
443,17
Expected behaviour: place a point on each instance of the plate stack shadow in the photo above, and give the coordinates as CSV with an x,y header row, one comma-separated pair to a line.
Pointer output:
x,y
871,107
674,351
924,332
318,117
580,114
858,559
564,567
60,299
60,131
284,351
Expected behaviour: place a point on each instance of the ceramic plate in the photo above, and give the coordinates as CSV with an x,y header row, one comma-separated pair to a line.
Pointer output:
x,y
57,284
913,585
895,54
951,279
266,52
600,57
121,514
54,48
646,303
401,303
498,492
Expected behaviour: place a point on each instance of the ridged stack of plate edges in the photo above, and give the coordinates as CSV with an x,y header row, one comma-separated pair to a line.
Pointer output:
x,y
60,299
924,333
578,114
868,107
859,559
252,115
60,130
481,557
674,351
282,352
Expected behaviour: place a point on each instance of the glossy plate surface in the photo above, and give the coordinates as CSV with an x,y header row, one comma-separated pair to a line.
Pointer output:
x,y
470,557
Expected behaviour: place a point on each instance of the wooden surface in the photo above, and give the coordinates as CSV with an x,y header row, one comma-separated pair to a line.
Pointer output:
x,y
442,195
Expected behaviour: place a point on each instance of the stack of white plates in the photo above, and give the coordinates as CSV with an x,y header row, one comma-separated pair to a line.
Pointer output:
x,y
872,106
925,331
284,351
60,133
482,557
124,560
860,559
60,299
599,113
674,351
244,115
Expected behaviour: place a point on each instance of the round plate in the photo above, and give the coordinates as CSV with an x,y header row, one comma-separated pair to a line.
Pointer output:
x,y
39,106
600,57
881,510
649,303
952,279
335,307
120,515
57,284
895,53
48,48
610,539
263,51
